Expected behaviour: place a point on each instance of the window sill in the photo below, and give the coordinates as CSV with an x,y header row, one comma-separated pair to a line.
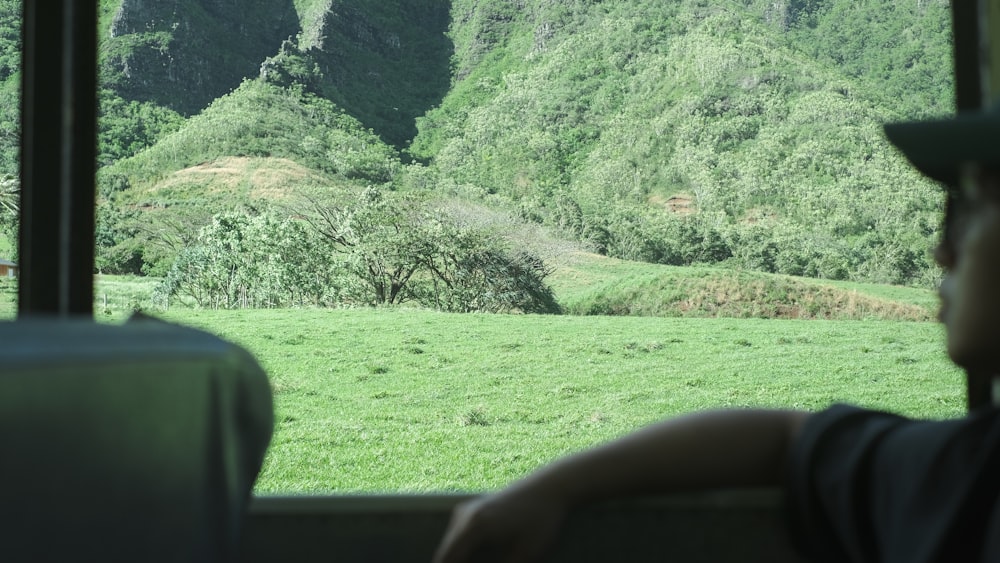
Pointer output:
x,y
743,525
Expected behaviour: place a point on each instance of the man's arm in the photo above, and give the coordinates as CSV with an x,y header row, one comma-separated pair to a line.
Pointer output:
x,y
716,449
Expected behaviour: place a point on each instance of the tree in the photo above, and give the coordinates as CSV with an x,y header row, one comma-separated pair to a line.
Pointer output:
x,y
379,239
401,248
476,270
241,261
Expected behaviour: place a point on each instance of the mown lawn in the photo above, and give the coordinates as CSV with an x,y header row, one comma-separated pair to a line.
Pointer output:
x,y
406,400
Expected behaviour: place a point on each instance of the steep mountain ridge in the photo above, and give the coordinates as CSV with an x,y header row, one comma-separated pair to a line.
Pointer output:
x,y
386,63
364,56
182,55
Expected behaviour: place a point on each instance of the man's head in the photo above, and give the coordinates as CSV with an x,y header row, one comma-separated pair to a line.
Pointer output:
x,y
964,153
970,255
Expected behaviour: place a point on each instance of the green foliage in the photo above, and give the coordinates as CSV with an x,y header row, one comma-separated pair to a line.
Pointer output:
x,y
10,218
408,248
117,249
476,270
10,39
8,298
10,125
593,117
250,262
383,244
127,127
182,55
291,66
898,47
10,86
263,120
375,250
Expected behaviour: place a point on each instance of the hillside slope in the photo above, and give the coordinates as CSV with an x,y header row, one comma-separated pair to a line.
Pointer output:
x,y
592,116
741,132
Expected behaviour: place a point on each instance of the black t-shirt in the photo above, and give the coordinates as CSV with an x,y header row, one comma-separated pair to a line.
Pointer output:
x,y
871,486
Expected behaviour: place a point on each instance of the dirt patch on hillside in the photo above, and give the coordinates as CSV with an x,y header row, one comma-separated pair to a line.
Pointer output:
x,y
679,204
759,215
250,177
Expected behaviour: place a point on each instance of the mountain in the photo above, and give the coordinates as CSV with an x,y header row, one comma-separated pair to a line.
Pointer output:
x,y
385,62
183,54
742,132
680,132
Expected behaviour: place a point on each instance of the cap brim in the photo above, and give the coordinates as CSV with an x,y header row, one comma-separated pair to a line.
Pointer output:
x,y
938,148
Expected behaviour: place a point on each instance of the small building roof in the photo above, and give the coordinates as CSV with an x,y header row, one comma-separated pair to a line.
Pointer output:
x,y
5,262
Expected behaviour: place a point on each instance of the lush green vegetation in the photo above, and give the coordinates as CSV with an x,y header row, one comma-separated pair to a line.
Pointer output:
x,y
583,282
588,284
375,250
741,133
391,400
184,54
689,132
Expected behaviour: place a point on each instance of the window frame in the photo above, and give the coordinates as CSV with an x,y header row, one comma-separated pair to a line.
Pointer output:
x,y
58,158
59,109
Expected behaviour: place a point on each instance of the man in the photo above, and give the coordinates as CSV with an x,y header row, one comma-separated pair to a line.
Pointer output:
x,y
862,485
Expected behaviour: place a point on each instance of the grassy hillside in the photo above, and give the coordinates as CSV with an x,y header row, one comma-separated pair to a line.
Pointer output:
x,y
262,120
594,285
590,116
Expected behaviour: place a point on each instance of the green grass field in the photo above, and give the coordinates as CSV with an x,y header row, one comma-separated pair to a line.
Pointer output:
x,y
405,400
379,400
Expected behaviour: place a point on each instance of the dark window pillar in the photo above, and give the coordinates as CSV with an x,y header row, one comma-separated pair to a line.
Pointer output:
x,y
965,26
58,157
975,25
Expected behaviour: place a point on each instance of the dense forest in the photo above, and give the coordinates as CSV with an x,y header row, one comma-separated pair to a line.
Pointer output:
x,y
283,152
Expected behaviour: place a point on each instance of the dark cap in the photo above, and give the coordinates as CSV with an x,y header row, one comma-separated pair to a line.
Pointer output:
x,y
939,147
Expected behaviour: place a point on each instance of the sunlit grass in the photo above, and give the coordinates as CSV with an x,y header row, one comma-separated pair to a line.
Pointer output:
x,y
389,400
373,400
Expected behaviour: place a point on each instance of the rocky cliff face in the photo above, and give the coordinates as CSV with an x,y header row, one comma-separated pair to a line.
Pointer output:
x,y
182,54
384,61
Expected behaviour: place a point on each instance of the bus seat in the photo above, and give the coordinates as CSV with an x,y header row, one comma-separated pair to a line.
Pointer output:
x,y
132,442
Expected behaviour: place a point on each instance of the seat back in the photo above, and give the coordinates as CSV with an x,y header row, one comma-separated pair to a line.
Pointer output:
x,y
138,442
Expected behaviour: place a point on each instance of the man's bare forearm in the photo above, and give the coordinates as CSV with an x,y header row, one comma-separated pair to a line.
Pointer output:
x,y
715,449
719,449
